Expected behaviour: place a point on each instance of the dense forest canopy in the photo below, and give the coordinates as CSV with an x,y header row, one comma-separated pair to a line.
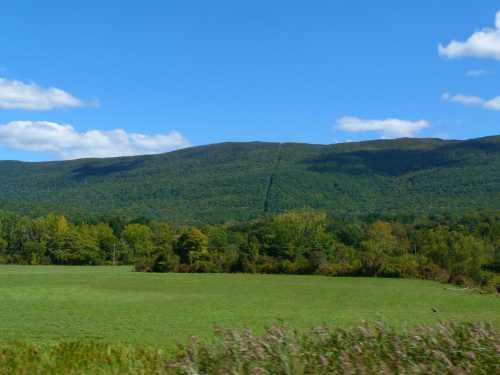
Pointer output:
x,y
464,249
241,181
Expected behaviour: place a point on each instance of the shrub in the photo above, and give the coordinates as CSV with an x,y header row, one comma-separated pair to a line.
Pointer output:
x,y
144,265
205,266
430,271
268,264
404,266
165,262
340,269
184,268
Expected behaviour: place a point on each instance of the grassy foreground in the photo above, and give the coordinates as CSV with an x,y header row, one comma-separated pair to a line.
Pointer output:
x,y
48,304
368,349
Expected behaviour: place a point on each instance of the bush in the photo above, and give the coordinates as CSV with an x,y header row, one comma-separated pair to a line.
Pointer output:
x,y
486,279
268,265
165,262
205,266
144,265
340,269
298,267
246,266
405,266
462,281
430,271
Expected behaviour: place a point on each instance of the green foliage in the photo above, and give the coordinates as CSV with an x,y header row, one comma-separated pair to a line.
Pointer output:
x,y
461,255
3,245
231,181
139,239
165,262
192,248
458,249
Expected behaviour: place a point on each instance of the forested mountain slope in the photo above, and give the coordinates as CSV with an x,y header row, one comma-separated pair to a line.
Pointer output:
x,y
241,180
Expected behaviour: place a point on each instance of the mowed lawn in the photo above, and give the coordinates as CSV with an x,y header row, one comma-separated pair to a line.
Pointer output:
x,y
46,303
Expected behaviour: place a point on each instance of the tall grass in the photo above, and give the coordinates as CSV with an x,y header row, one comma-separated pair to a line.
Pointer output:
x,y
447,348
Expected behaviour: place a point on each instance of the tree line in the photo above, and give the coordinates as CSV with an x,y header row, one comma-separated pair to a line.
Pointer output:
x,y
450,248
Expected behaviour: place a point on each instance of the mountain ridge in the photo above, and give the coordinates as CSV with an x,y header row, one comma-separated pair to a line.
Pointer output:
x,y
241,180
364,142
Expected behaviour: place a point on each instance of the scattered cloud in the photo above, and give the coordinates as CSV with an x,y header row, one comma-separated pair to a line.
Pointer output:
x,y
481,44
477,73
389,128
31,97
65,142
492,104
463,99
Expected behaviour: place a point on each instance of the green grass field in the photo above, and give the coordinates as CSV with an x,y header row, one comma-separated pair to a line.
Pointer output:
x,y
48,303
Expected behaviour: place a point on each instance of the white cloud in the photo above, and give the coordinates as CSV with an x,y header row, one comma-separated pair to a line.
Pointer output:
x,y
442,136
477,73
481,44
463,99
31,97
67,143
390,128
492,104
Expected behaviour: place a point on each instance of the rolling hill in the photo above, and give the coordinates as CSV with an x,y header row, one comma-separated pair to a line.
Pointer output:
x,y
243,180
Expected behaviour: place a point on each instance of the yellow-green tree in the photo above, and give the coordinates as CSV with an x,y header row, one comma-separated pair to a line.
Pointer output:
x,y
192,247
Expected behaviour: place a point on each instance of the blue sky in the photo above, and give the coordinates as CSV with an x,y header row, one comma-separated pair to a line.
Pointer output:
x,y
105,78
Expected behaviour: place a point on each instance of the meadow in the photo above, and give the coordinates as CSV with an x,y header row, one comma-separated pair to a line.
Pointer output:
x,y
49,304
